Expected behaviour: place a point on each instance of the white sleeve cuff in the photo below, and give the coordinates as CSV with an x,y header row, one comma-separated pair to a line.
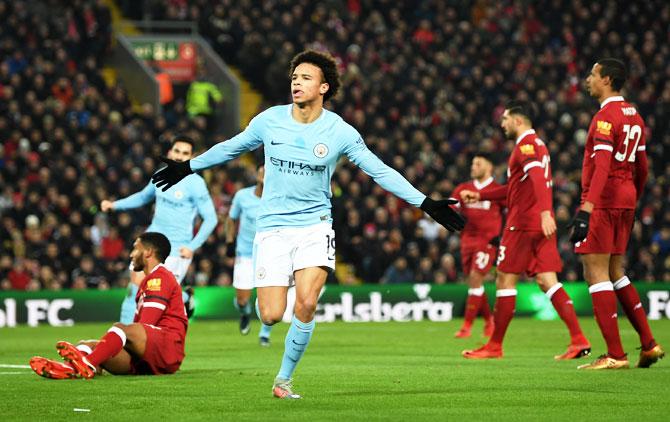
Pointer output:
x,y
603,147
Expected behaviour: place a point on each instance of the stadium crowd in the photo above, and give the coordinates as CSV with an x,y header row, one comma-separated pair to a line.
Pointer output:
x,y
424,82
70,140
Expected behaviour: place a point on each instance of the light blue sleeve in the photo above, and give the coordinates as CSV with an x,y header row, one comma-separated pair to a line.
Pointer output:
x,y
385,176
205,206
137,199
235,208
247,140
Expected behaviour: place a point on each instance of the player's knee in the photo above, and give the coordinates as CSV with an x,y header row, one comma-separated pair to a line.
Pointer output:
x,y
544,284
305,309
616,272
270,319
594,274
270,316
503,281
134,332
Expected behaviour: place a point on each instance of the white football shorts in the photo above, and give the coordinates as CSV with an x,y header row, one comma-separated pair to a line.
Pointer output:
x,y
243,273
278,253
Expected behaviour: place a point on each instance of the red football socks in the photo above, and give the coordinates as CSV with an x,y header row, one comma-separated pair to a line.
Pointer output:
x,y
484,308
630,302
472,305
108,346
563,305
605,311
502,314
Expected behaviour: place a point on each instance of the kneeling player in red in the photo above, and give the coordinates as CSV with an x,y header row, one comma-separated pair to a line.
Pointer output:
x,y
529,240
153,344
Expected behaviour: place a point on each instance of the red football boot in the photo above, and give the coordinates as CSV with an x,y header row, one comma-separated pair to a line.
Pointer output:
x,y
76,358
464,332
49,368
487,351
575,351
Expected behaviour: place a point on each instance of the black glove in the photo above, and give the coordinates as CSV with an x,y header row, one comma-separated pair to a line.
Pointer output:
x,y
230,249
580,226
495,242
443,213
172,174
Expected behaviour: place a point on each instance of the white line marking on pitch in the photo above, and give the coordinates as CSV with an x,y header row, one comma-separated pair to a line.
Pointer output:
x,y
14,373
2,365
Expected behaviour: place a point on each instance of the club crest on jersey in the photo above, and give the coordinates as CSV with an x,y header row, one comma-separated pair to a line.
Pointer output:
x,y
320,150
178,194
154,284
527,149
603,127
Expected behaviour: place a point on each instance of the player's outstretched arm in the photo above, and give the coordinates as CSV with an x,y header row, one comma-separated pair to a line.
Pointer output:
x,y
135,200
171,174
248,140
442,212
393,182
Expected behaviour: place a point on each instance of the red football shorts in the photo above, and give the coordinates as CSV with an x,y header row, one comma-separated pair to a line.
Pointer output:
x,y
528,251
478,258
163,354
609,231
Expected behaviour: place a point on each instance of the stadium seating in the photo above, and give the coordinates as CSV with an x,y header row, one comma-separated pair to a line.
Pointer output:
x,y
424,84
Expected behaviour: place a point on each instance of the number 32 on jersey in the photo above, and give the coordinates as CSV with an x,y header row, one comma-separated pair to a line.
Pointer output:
x,y
633,135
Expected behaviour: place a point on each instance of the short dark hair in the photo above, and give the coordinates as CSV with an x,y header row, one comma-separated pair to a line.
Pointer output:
x,y
484,155
326,63
616,70
158,242
183,138
522,108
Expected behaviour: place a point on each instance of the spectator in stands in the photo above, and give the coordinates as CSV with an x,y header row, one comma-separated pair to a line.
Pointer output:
x,y
201,99
19,277
398,273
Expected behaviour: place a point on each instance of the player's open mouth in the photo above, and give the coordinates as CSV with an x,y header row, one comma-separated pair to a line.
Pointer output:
x,y
297,91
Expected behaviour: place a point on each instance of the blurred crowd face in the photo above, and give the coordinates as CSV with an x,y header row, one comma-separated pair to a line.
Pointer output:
x,y
180,151
481,168
594,82
307,84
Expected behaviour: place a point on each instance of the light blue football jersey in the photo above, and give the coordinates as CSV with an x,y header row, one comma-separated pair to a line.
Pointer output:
x,y
245,209
175,211
299,162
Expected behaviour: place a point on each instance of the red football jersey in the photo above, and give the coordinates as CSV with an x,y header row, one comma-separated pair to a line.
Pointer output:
x,y
616,137
484,218
523,205
159,302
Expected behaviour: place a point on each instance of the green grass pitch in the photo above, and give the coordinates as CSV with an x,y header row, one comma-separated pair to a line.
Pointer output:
x,y
368,371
